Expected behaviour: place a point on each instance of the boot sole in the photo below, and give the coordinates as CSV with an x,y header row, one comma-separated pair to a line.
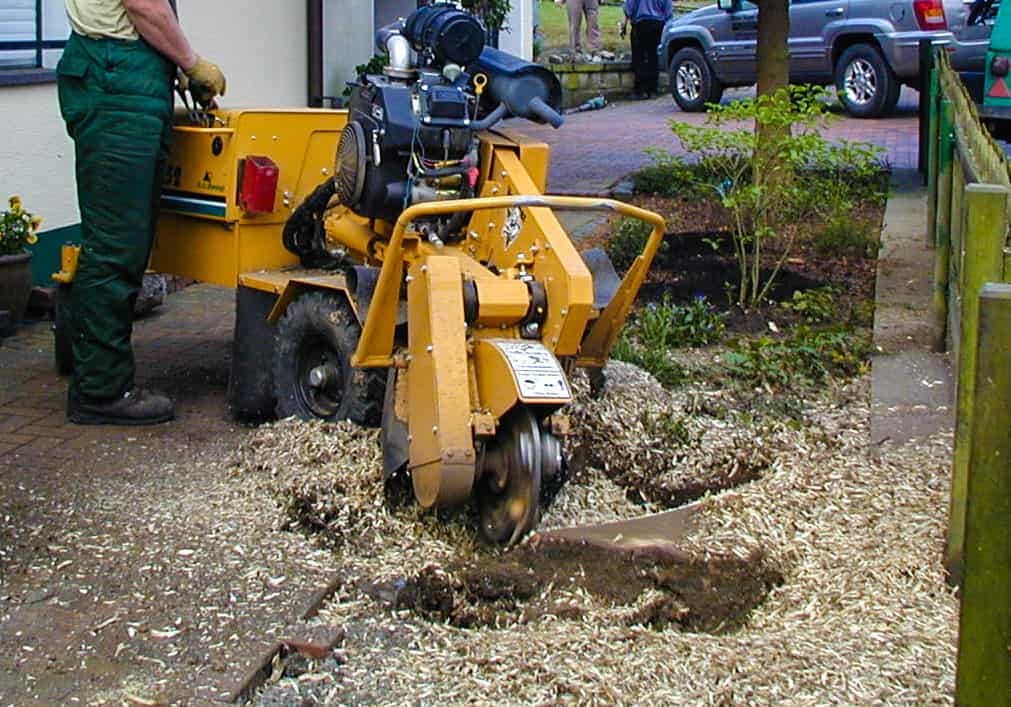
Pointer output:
x,y
85,418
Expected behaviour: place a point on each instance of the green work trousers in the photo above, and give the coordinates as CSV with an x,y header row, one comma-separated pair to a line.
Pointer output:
x,y
116,98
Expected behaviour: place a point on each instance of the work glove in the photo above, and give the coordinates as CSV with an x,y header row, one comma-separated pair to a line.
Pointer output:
x,y
204,81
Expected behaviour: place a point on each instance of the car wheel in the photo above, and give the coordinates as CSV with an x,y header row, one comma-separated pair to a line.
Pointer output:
x,y
692,83
867,88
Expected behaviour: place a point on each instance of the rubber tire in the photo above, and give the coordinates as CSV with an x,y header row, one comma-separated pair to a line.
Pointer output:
x,y
889,87
319,315
63,348
712,89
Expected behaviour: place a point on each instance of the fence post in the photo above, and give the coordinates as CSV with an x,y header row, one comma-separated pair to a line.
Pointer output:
x,y
930,132
985,232
926,107
984,638
941,233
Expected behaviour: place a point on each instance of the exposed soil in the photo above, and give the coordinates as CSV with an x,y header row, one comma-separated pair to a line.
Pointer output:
x,y
698,261
661,590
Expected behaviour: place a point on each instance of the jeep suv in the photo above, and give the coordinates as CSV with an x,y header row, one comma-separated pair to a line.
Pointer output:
x,y
867,48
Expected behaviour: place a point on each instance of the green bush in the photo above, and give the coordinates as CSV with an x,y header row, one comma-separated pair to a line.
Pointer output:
x,y
732,162
807,355
843,236
628,238
815,306
668,325
654,360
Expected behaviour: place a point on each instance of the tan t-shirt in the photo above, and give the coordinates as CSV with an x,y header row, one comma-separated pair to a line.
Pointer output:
x,y
101,18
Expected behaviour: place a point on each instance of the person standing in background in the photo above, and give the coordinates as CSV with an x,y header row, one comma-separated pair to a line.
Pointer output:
x,y
647,18
578,8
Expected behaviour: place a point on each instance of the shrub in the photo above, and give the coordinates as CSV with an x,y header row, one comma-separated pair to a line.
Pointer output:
x,y
669,325
842,235
628,238
808,355
814,306
653,360
730,159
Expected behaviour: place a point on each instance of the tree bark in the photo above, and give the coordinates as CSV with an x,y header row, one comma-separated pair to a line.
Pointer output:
x,y
773,64
773,48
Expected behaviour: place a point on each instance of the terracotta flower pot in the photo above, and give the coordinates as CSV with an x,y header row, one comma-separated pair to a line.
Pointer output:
x,y
15,284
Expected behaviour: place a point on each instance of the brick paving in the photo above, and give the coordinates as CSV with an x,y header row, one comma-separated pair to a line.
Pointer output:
x,y
594,150
183,348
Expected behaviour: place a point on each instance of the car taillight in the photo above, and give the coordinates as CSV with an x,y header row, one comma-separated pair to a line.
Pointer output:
x,y
930,14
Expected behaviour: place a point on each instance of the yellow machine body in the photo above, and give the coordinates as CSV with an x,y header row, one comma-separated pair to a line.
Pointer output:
x,y
478,344
203,233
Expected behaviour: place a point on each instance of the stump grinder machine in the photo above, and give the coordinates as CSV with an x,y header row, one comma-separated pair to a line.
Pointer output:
x,y
421,282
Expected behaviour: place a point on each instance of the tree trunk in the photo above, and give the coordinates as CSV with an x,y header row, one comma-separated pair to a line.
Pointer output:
x,y
773,49
773,74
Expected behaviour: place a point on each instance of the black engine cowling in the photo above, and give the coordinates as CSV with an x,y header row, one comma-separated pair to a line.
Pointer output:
x,y
410,131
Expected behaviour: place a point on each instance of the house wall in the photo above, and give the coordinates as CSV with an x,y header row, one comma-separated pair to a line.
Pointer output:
x,y
261,51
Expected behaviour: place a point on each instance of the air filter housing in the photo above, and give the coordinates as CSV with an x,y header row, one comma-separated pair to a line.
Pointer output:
x,y
350,168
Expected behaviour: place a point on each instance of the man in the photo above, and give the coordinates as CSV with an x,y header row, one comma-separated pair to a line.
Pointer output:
x,y
115,88
576,9
648,18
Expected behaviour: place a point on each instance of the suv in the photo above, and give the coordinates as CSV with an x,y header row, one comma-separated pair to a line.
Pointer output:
x,y
867,48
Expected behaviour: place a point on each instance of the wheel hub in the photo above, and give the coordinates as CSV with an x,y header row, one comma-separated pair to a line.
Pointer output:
x,y
689,81
319,379
860,82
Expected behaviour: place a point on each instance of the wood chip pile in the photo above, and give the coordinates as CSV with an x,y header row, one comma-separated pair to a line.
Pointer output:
x,y
862,614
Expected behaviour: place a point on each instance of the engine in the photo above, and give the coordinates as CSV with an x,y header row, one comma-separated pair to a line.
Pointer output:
x,y
410,136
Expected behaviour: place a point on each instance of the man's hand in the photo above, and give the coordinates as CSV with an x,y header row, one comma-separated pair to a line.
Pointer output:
x,y
205,82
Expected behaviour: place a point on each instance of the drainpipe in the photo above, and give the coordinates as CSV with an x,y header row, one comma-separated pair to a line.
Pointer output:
x,y
314,19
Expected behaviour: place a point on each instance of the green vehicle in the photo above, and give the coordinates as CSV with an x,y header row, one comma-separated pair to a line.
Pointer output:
x,y
995,105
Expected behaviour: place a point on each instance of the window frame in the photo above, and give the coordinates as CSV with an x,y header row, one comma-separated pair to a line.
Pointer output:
x,y
28,75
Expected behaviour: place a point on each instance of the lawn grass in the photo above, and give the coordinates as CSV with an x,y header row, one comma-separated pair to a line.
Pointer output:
x,y
555,24
555,27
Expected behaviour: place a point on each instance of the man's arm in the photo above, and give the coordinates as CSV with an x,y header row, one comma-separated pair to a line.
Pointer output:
x,y
157,24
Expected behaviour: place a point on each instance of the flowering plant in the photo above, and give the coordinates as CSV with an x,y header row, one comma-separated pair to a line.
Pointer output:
x,y
18,228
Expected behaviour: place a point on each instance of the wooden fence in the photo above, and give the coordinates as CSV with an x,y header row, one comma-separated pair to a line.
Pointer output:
x,y
969,187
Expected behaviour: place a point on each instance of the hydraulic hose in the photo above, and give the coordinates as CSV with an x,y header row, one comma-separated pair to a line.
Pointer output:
x,y
491,119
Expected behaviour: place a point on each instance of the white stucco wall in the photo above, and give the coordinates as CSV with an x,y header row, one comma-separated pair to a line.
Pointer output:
x,y
36,156
261,46
518,37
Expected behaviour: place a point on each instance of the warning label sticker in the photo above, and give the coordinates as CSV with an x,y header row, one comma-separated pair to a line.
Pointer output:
x,y
537,371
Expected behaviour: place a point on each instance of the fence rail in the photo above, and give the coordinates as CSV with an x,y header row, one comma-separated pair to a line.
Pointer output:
x,y
969,192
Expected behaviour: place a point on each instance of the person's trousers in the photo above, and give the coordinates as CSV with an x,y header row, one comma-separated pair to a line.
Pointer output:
x,y
116,98
578,8
645,65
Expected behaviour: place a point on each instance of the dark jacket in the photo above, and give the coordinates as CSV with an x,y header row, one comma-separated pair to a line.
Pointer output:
x,y
638,10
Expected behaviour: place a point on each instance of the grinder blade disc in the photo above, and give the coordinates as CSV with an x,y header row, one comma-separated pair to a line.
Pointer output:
x,y
509,490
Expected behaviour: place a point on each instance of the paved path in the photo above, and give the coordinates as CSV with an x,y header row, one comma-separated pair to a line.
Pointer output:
x,y
912,390
594,150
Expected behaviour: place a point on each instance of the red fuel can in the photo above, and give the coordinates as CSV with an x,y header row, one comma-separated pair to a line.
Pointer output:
x,y
258,185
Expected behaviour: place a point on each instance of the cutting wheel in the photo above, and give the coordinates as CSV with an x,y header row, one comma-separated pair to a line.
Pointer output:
x,y
510,485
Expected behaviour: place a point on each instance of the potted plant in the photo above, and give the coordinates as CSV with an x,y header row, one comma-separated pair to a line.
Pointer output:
x,y
18,229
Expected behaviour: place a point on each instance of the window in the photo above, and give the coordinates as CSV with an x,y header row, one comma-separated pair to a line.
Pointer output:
x,y
32,33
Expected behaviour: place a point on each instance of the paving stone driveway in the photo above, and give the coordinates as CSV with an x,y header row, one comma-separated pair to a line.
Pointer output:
x,y
594,150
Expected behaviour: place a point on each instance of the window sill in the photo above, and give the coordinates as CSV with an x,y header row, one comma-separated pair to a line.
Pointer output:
x,y
26,77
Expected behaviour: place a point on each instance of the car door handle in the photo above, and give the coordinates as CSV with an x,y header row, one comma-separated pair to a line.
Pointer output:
x,y
835,12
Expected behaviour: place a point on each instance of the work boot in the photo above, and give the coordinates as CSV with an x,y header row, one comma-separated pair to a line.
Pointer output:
x,y
135,407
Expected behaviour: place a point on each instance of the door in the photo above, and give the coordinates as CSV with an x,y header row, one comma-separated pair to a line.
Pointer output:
x,y
738,45
811,21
